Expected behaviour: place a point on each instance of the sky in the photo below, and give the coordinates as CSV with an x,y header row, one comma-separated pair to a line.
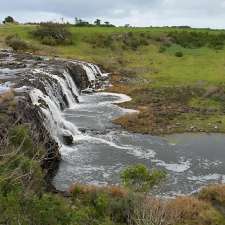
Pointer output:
x,y
195,13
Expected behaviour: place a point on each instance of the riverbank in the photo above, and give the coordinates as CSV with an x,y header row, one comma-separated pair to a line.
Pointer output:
x,y
171,109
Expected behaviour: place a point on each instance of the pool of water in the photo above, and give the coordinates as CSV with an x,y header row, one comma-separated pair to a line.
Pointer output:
x,y
104,149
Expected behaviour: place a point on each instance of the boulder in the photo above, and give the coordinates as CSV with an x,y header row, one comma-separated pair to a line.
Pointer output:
x,y
68,139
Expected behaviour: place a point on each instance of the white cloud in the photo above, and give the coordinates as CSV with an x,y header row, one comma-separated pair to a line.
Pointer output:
x,y
197,13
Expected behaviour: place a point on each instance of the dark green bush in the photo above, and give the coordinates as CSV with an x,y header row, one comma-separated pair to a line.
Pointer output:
x,y
143,41
53,34
162,49
16,43
197,39
179,54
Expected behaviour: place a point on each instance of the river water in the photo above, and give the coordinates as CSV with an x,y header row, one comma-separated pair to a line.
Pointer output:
x,y
104,149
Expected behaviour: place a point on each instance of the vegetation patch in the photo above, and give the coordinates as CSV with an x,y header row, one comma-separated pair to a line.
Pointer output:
x,y
198,39
53,34
17,44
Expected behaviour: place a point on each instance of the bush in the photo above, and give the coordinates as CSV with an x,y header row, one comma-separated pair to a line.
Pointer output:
x,y
179,54
49,41
197,39
53,34
16,43
19,137
139,179
162,49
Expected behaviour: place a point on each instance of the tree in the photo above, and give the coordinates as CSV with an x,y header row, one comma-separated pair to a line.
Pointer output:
x,y
81,23
97,22
127,25
9,19
140,179
107,23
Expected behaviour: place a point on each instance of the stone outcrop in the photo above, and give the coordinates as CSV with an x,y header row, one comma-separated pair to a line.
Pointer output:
x,y
78,74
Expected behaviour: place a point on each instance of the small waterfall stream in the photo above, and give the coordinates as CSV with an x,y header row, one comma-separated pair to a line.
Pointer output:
x,y
93,149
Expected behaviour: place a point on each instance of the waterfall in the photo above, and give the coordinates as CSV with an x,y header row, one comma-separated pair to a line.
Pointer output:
x,y
57,92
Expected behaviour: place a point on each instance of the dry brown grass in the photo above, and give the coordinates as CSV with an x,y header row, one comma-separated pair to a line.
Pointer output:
x,y
152,211
192,211
214,194
114,191
82,188
7,96
179,211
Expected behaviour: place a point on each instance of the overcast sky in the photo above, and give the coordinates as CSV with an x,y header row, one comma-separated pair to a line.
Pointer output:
x,y
196,13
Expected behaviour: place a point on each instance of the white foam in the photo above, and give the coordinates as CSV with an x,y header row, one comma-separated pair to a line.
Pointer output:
x,y
4,87
175,167
208,177
89,72
55,121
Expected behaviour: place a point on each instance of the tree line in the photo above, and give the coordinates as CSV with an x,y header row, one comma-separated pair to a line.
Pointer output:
x,y
77,22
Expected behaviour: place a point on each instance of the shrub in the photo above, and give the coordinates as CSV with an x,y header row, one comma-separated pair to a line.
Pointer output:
x,y
162,49
143,41
139,179
182,211
16,43
197,39
53,34
49,41
152,211
179,54
19,137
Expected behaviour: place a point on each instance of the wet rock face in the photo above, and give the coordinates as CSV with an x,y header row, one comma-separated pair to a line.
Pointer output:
x,y
78,74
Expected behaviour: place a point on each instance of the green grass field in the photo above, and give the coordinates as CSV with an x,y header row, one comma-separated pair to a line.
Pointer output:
x,y
147,68
202,64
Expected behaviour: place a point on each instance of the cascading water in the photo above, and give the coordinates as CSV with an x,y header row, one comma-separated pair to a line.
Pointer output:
x,y
50,104
97,149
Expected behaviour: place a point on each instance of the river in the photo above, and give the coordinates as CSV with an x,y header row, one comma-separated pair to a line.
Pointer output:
x,y
190,160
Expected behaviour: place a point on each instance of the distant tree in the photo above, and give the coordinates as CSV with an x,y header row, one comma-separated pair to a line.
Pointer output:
x,y
77,20
97,22
9,19
127,25
107,23
81,23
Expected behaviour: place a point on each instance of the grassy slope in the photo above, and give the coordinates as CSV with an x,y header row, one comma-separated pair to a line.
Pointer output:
x,y
145,69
